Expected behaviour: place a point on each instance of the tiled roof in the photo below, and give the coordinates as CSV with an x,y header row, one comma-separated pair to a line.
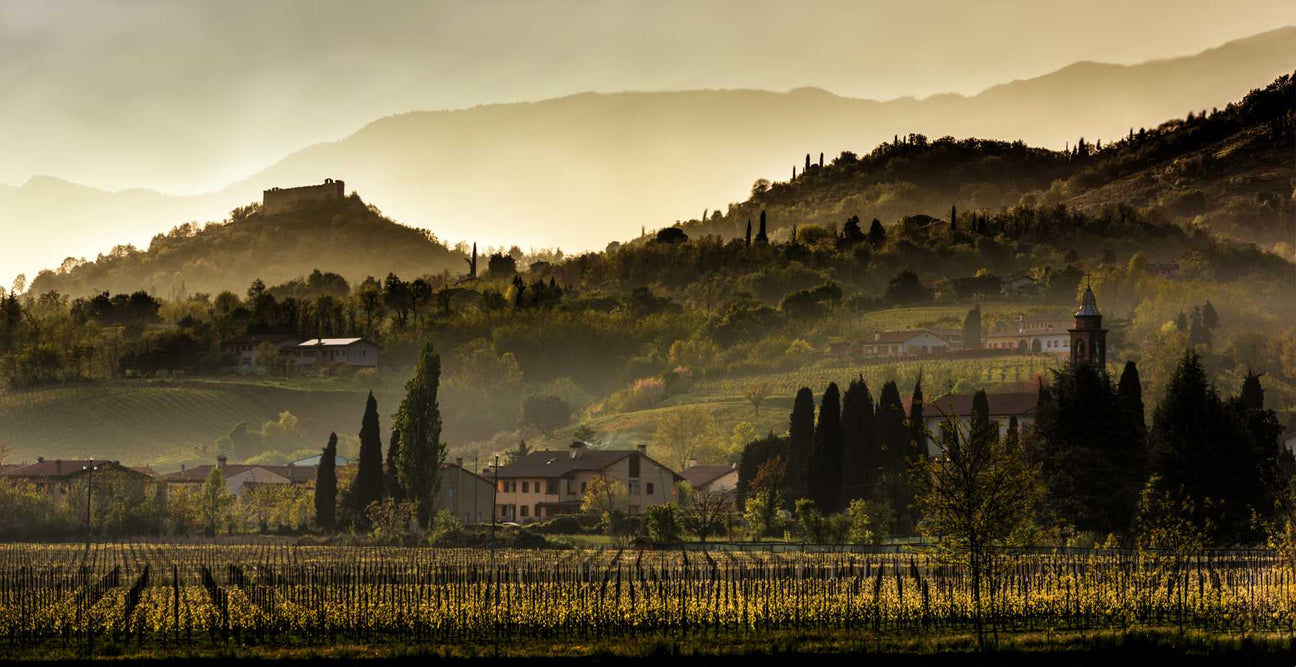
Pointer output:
x,y
450,466
329,342
1001,405
196,474
895,336
56,468
549,464
703,475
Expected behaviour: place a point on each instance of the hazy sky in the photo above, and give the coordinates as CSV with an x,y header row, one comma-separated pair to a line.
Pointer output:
x,y
188,96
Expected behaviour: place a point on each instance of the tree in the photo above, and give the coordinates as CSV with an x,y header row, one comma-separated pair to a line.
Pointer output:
x,y
953,218
748,237
215,501
972,328
756,395
662,524
877,234
893,438
1220,454
687,435
766,495
368,485
753,456
1252,395
761,236
545,413
704,512
975,495
267,356
905,287
326,486
419,422
1209,317
606,497
801,437
391,479
671,235
859,453
825,465
851,232
1092,464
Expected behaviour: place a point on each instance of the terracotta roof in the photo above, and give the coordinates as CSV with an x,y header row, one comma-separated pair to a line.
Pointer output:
x,y
895,336
197,474
549,464
703,475
62,468
1001,405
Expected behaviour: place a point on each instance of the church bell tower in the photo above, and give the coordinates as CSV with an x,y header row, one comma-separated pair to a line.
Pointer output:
x,y
1088,338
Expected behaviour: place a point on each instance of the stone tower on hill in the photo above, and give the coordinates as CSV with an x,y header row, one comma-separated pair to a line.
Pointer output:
x,y
1088,338
284,200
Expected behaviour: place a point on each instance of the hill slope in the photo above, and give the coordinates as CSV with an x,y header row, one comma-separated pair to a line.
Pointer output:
x,y
561,171
348,238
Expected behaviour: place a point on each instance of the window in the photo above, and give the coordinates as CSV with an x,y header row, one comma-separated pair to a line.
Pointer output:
x,y
634,487
526,511
583,486
537,510
571,488
634,465
650,488
551,487
450,491
526,487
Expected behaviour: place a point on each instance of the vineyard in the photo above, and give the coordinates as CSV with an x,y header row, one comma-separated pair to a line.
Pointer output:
x,y
277,595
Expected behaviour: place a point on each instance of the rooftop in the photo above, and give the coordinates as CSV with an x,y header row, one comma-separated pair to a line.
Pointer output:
x,y
196,474
329,342
702,475
549,463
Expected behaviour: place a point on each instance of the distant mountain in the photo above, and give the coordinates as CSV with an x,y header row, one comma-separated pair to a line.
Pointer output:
x,y
578,171
346,237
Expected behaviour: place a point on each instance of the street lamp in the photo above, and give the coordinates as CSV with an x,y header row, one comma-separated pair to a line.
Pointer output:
x,y
89,468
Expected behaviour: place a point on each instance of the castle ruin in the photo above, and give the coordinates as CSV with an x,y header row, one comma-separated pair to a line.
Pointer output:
x,y
284,200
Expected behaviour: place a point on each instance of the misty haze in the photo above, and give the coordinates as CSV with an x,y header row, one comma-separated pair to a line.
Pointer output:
x,y
722,332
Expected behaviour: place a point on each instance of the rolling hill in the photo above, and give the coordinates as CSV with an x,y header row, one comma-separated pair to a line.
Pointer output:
x,y
580,170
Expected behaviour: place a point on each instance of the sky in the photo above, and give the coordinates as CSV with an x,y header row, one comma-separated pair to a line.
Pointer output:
x,y
185,97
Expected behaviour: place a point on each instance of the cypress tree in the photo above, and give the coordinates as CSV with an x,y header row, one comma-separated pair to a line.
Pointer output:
x,y
368,485
807,167
753,456
1129,394
953,218
761,236
800,442
859,458
419,422
1252,393
982,432
972,328
749,230
876,234
825,474
393,457
326,486
820,159
892,443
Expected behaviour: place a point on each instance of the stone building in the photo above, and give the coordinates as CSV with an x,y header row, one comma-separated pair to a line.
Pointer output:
x,y
283,200
545,484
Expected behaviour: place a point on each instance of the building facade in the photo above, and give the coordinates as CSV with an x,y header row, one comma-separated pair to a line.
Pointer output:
x,y
1088,338
283,200
332,351
711,478
957,408
902,343
465,494
546,484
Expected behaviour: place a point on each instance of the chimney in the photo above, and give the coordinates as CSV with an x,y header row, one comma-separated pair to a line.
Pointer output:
x,y
691,463
220,462
576,447
643,450
459,462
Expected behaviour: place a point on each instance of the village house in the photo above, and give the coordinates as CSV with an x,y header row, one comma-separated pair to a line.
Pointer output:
x,y
467,495
902,343
332,351
1034,334
958,407
1020,285
245,348
545,484
58,477
239,475
711,478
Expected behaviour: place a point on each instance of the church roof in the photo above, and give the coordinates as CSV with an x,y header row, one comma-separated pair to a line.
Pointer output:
x,y
1088,304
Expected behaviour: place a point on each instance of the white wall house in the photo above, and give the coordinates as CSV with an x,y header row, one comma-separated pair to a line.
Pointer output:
x,y
958,408
899,343
331,351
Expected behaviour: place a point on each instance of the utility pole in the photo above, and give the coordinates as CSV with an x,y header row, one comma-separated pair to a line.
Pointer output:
x,y
89,467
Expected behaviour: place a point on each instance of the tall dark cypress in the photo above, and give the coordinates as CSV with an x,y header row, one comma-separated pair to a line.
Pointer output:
x,y
393,455
892,442
918,436
761,236
1252,395
368,485
825,473
326,486
982,432
1129,394
801,437
807,167
859,457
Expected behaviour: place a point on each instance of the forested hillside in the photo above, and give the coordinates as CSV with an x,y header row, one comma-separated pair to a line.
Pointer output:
x,y
350,238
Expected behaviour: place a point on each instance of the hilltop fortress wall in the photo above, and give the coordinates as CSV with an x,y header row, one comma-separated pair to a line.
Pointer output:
x,y
283,200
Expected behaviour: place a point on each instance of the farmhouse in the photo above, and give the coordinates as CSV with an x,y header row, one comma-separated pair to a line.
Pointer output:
x,y
545,484
245,348
467,495
711,478
239,476
958,407
58,477
900,343
332,351
1034,334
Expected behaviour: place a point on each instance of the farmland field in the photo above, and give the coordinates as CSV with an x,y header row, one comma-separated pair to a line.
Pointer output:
x,y
193,596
